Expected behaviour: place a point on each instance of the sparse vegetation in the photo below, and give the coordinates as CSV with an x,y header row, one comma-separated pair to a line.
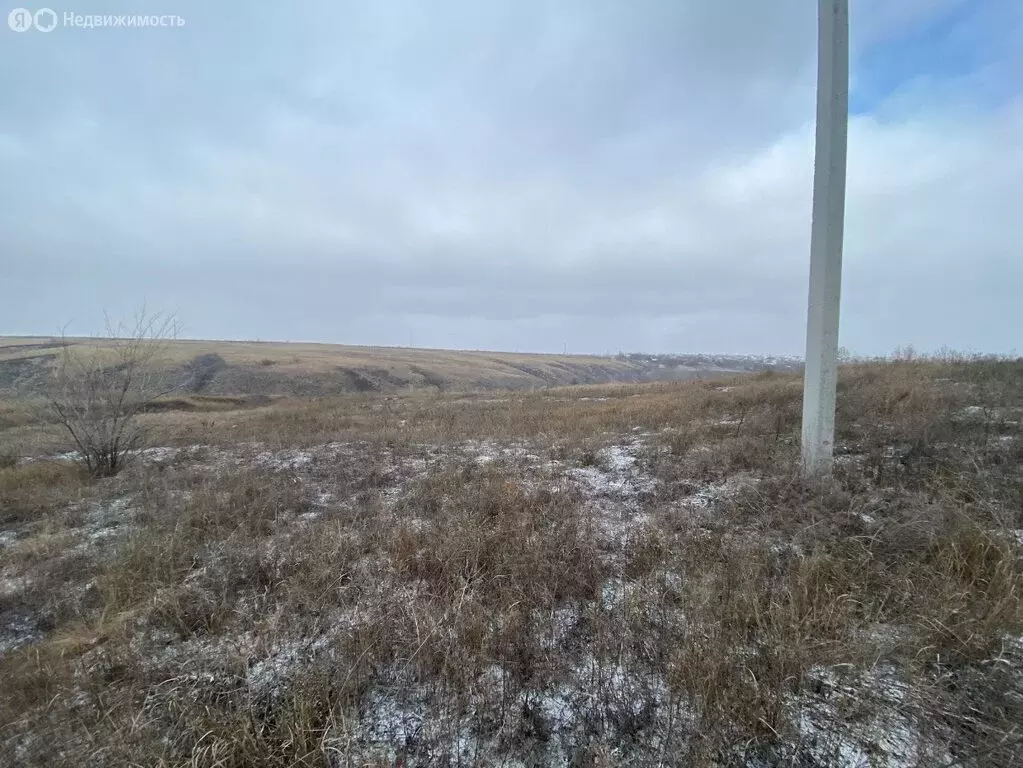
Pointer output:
x,y
8,457
623,574
97,397
266,368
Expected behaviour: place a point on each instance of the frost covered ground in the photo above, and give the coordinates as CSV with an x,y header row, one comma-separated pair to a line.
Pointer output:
x,y
626,575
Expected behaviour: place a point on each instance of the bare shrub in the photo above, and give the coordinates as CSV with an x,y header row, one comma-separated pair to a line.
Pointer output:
x,y
97,394
8,457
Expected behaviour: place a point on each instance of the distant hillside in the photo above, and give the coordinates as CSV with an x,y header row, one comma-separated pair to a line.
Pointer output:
x,y
672,366
284,368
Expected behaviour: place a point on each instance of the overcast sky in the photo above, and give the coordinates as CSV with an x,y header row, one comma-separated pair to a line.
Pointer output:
x,y
511,174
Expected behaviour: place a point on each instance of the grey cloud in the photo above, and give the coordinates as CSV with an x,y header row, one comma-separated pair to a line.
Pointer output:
x,y
525,175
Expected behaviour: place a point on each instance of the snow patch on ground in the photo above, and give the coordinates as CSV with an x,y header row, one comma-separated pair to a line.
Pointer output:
x,y
616,474
987,415
612,594
13,585
16,632
708,496
389,720
603,691
563,621
617,491
284,460
265,676
859,721
109,518
486,452
159,454
559,719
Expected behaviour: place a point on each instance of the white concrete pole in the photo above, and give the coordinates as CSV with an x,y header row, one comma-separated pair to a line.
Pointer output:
x,y
826,236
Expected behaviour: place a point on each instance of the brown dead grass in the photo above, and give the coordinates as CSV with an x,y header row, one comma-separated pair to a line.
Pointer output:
x,y
28,490
234,620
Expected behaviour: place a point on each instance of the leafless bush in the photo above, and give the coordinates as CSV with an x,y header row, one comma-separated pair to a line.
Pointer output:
x,y
97,395
8,457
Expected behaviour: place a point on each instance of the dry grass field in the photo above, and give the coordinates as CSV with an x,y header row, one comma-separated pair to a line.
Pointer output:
x,y
235,367
623,574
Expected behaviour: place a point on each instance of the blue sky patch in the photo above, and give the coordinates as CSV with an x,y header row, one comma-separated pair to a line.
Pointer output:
x,y
947,48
